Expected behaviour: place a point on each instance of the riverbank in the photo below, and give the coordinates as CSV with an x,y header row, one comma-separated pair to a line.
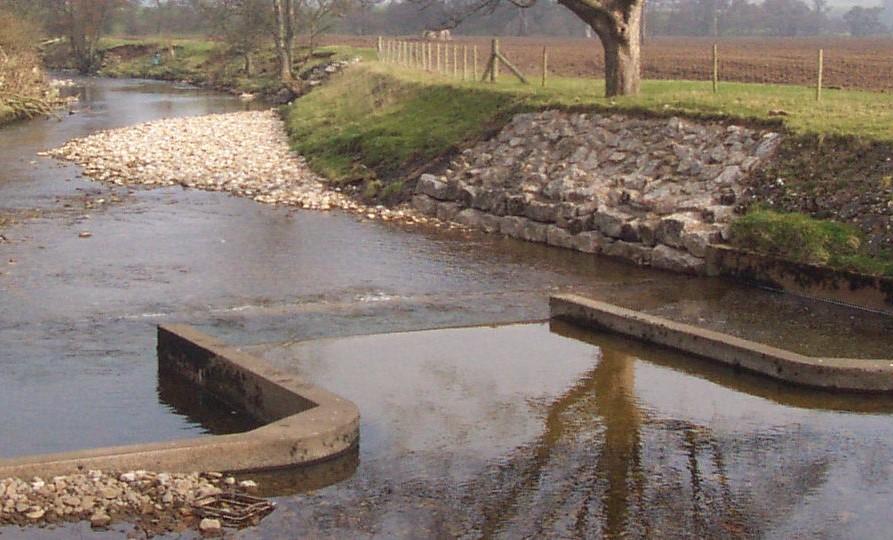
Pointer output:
x,y
383,126
25,91
156,503
253,160
377,129
446,444
209,64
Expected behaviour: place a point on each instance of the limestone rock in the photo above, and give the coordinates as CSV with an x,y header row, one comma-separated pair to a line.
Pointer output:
x,y
558,237
609,222
669,230
591,242
534,231
210,527
676,260
446,211
542,212
512,226
100,520
434,187
626,250
425,204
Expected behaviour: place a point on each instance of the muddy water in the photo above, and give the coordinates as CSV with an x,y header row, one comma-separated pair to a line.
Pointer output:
x,y
77,365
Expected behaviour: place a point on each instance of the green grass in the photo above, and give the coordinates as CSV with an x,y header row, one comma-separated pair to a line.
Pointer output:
x,y
802,238
202,61
379,119
378,122
841,112
366,124
7,115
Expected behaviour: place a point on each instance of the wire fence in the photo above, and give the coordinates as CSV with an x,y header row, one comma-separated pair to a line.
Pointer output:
x,y
839,63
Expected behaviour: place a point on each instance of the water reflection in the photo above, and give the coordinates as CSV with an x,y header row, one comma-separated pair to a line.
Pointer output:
x,y
634,444
201,408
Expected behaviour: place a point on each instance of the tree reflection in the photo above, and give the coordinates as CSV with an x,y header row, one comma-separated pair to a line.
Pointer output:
x,y
605,467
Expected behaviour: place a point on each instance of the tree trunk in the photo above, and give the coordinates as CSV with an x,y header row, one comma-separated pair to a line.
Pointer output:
x,y
249,64
523,26
283,38
622,71
617,24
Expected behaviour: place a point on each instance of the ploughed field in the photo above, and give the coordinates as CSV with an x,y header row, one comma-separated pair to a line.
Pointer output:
x,y
852,63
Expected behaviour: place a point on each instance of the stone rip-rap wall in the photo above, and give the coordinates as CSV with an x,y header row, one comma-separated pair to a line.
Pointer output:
x,y
656,192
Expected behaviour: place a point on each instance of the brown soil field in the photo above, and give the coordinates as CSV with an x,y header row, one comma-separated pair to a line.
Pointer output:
x,y
853,63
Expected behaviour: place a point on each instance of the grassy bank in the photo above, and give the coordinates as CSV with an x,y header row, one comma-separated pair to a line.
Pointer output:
x,y
799,237
379,126
382,125
382,119
197,61
24,91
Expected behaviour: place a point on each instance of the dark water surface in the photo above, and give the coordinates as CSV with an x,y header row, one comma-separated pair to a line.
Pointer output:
x,y
512,431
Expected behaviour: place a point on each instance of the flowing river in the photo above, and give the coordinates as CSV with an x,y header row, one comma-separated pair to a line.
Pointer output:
x,y
478,419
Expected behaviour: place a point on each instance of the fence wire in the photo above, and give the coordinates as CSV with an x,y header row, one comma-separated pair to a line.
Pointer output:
x,y
848,63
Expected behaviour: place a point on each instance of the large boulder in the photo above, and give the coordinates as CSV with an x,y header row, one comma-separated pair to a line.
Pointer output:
x,y
435,187
676,260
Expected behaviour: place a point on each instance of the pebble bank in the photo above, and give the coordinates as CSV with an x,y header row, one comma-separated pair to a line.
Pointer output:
x,y
157,502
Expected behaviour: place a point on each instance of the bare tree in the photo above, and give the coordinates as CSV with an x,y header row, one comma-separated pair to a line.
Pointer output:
x,y
315,17
284,37
616,23
244,25
82,22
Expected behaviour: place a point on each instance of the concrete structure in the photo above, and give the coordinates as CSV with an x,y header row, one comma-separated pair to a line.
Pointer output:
x,y
830,373
304,423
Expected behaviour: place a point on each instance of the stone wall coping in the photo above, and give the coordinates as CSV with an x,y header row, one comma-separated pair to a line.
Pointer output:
x,y
845,374
324,426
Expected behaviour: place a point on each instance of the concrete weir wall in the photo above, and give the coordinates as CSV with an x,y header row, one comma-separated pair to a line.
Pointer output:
x,y
830,373
305,423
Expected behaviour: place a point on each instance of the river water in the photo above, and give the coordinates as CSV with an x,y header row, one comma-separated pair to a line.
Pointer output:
x,y
506,427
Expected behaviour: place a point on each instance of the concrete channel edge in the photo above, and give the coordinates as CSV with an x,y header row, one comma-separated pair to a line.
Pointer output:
x,y
304,423
844,374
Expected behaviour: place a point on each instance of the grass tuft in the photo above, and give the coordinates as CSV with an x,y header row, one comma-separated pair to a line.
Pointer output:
x,y
801,238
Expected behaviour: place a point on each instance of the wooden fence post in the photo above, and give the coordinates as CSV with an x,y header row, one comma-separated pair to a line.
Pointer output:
x,y
545,65
494,60
492,68
474,74
821,66
715,68
446,59
378,48
464,62
455,61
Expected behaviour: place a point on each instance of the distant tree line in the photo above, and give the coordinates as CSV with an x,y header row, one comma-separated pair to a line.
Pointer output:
x,y
783,18
777,18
